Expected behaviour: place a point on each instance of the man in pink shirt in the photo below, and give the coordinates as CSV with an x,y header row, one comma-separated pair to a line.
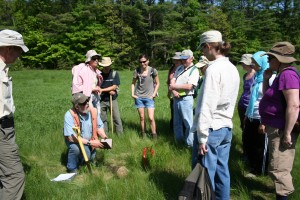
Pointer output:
x,y
87,78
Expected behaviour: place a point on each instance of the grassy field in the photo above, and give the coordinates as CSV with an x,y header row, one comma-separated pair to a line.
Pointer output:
x,y
43,97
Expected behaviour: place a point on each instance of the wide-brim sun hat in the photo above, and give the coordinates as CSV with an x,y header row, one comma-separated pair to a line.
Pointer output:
x,y
89,54
105,62
246,59
283,51
12,38
203,61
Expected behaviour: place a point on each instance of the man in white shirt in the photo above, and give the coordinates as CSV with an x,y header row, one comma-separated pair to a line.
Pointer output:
x,y
182,85
214,112
12,177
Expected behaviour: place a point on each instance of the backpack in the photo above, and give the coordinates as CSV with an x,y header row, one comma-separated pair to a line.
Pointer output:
x,y
94,120
200,80
138,71
197,186
296,128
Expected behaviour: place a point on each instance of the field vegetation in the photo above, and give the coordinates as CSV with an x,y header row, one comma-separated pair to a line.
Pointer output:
x,y
42,97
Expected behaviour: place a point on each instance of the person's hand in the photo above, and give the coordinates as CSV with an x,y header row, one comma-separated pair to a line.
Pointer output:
x,y
202,149
94,137
134,96
287,140
261,129
268,74
171,87
97,90
175,94
112,93
96,144
102,134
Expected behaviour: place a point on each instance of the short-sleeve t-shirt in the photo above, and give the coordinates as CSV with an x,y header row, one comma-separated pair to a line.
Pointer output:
x,y
109,80
86,125
186,76
272,106
145,84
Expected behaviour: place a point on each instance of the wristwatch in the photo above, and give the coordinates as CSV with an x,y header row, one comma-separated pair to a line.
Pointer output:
x,y
89,143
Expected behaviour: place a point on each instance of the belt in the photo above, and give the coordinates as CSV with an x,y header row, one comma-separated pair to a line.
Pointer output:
x,y
185,96
7,122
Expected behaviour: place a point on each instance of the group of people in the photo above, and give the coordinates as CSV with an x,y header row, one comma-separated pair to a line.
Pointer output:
x,y
268,109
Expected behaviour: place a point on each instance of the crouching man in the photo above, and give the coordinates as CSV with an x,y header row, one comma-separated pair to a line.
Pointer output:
x,y
90,125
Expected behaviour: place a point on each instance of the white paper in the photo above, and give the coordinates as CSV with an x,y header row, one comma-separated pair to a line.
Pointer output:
x,y
64,177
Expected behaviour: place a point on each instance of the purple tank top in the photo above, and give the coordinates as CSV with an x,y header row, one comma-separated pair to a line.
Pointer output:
x,y
245,97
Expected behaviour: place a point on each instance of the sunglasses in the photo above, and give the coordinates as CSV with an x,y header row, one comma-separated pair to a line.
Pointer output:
x,y
143,61
95,58
84,103
270,58
202,46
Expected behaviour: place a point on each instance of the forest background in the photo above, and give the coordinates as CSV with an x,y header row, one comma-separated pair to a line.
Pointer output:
x,y
59,32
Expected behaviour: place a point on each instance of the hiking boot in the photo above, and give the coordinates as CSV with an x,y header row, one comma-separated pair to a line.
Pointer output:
x,y
154,136
143,135
73,171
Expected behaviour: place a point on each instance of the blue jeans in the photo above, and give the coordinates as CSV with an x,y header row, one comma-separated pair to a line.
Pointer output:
x,y
183,115
75,157
216,160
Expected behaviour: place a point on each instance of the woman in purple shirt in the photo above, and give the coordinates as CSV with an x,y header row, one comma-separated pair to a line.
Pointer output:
x,y
279,110
248,79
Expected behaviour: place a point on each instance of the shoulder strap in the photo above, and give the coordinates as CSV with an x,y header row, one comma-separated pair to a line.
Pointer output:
x,y
94,119
75,117
290,68
113,74
193,68
138,71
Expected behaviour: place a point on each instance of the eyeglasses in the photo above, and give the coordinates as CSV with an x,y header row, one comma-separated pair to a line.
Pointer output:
x,y
143,61
95,58
270,58
84,103
202,46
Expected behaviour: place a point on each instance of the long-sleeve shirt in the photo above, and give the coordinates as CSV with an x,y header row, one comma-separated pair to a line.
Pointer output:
x,y
85,79
218,94
7,106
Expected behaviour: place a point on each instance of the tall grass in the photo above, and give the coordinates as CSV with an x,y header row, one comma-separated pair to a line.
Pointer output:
x,y
43,97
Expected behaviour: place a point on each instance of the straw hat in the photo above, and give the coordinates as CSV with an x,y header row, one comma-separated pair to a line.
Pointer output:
x,y
106,61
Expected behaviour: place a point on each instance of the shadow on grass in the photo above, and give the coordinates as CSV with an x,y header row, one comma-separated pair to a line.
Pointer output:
x,y
256,187
63,157
169,183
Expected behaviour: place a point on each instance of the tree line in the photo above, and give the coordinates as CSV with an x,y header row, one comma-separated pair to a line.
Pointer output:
x,y
58,33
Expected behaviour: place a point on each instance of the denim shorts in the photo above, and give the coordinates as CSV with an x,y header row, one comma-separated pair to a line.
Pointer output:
x,y
144,103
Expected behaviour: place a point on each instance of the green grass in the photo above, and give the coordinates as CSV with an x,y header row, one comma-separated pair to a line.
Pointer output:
x,y
43,97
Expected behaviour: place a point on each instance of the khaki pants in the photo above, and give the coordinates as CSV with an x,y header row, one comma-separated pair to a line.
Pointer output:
x,y
12,177
281,161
